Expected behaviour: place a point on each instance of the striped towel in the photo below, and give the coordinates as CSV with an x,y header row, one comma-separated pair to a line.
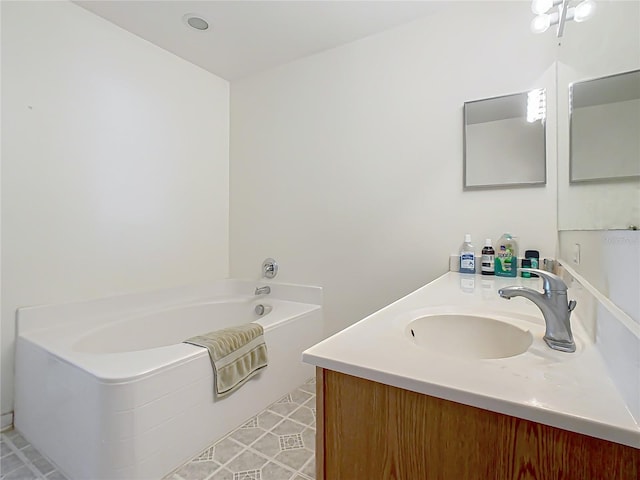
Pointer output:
x,y
236,354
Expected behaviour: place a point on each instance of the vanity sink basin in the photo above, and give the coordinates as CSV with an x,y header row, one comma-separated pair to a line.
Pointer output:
x,y
468,336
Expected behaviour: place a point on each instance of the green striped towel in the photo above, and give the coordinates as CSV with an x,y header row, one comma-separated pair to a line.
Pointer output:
x,y
236,353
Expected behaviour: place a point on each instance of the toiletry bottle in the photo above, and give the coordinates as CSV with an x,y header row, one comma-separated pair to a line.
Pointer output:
x,y
467,256
526,263
488,258
506,260
534,257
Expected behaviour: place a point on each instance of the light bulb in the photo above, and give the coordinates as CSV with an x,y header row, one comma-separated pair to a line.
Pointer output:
x,y
541,6
540,23
584,10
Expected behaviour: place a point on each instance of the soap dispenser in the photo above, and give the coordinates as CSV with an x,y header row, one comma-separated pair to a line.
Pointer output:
x,y
467,256
506,256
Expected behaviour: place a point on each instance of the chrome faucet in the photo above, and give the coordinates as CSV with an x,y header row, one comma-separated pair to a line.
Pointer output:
x,y
262,290
553,304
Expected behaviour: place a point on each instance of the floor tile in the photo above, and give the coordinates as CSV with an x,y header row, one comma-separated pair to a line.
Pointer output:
x,y
18,440
285,399
55,475
284,408
288,427
223,474
309,387
291,442
22,473
310,468
198,470
247,436
31,453
4,449
10,463
225,450
251,423
43,465
271,471
303,415
268,420
269,445
248,475
247,460
294,458
309,438
300,396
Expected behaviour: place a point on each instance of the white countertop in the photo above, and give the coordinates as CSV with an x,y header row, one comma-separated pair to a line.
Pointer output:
x,y
571,391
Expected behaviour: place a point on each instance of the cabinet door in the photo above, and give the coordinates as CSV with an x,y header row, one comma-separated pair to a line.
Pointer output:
x,y
367,430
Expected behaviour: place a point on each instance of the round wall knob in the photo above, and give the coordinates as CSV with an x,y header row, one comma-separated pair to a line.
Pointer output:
x,y
269,268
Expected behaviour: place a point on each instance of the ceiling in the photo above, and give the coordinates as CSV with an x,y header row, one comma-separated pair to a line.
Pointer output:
x,y
246,37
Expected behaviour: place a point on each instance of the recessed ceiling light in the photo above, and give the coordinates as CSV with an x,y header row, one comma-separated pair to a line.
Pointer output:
x,y
196,21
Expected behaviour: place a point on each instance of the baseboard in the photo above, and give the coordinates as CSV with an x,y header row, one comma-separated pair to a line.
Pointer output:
x,y
7,421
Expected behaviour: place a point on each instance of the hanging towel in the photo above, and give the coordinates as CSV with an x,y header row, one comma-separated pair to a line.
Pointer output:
x,y
236,354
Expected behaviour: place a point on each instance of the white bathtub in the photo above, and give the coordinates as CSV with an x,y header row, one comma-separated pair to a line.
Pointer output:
x,y
106,389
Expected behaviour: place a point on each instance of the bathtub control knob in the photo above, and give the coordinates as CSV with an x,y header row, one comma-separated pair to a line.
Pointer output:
x,y
269,268
262,309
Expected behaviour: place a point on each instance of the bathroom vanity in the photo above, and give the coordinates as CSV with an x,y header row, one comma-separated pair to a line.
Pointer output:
x,y
454,382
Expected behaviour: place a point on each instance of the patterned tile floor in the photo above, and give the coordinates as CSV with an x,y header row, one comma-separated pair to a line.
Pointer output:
x,y
20,461
276,444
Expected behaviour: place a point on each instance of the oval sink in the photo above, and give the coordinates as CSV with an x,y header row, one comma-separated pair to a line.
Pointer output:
x,y
469,336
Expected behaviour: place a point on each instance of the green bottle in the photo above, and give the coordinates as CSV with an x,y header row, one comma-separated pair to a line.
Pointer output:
x,y
506,262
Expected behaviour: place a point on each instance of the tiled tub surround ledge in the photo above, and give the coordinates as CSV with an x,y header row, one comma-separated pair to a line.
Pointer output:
x,y
574,392
105,389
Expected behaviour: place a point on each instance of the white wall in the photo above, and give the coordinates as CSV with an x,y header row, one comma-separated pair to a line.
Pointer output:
x,y
114,164
346,166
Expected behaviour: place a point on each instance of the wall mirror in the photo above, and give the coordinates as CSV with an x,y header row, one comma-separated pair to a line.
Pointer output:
x,y
598,50
504,141
604,128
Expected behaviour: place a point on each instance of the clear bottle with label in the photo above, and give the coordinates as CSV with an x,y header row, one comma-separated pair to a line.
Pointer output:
x,y
467,256
488,258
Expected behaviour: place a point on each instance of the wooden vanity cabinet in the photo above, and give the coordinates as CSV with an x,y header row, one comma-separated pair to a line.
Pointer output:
x,y
370,431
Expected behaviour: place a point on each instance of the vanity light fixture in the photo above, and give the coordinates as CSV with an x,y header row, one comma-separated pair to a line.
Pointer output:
x,y
546,16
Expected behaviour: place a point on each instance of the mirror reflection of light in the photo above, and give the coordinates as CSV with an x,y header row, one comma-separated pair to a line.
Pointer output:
x,y
536,105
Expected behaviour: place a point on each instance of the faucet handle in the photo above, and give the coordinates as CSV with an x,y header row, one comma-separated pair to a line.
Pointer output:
x,y
550,281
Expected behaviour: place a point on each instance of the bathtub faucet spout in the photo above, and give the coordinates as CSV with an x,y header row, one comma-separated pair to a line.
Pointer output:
x,y
262,290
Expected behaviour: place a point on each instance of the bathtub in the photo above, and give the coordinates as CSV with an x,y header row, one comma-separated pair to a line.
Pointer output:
x,y
105,388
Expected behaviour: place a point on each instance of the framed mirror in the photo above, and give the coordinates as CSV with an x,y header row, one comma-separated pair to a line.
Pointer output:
x,y
604,128
504,141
